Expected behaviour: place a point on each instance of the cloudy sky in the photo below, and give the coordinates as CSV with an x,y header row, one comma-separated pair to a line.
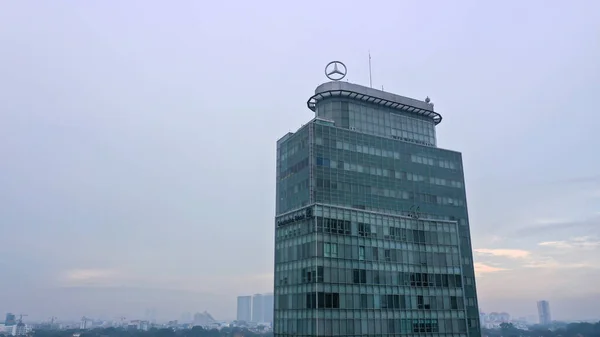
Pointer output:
x,y
137,142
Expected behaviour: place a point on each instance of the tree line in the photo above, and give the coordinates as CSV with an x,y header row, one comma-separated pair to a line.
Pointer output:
x,y
196,331
505,330
566,330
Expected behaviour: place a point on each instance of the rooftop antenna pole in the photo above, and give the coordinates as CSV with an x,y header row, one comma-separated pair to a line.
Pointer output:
x,y
370,75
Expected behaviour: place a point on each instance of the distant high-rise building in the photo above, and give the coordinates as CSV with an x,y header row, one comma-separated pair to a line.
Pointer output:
x,y
21,329
203,319
10,319
150,315
244,308
544,312
268,303
85,324
257,308
371,229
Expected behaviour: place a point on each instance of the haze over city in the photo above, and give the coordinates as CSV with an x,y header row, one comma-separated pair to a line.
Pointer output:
x,y
138,142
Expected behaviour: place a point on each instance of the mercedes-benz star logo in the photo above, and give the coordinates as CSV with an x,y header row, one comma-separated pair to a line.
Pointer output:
x,y
335,70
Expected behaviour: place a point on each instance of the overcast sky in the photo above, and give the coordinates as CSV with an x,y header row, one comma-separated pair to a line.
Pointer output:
x,y
137,142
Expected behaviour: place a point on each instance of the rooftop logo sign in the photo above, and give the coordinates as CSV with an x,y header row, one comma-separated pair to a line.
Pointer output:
x,y
335,70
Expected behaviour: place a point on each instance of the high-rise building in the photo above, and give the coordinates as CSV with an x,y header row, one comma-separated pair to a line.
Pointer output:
x,y
10,319
371,229
544,312
244,308
21,329
203,319
268,304
150,315
257,308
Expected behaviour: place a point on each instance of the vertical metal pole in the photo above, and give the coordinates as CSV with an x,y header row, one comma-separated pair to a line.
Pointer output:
x,y
370,74
312,202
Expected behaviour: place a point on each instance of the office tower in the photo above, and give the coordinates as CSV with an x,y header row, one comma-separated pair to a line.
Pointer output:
x,y
257,308
268,304
10,319
21,329
544,312
150,315
244,308
371,228
203,319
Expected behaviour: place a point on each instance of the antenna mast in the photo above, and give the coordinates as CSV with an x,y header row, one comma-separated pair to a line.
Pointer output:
x,y
370,75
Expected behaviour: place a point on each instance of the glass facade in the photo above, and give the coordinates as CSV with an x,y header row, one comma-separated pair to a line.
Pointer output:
x,y
372,233
378,120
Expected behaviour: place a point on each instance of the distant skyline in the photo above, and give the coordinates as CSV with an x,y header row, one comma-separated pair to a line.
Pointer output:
x,y
128,136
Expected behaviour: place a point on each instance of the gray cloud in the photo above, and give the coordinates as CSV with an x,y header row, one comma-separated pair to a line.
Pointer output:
x,y
587,226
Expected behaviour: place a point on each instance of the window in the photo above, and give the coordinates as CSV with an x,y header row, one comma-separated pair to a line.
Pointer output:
x,y
312,275
391,325
364,229
361,252
423,303
331,249
419,236
359,276
458,281
323,162
311,300
392,302
425,325
424,280
323,300
333,226
456,302
364,301
398,233
332,300
404,279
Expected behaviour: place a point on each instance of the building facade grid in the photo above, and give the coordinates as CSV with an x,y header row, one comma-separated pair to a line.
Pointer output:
x,y
244,308
372,234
